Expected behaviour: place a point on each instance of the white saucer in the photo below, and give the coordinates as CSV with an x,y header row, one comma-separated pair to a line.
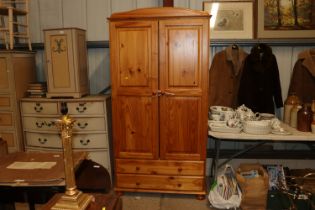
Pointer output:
x,y
279,132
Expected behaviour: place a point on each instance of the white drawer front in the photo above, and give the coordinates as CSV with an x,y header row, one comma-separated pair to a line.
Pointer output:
x,y
89,124
86,108
43,140
39,123
39,108
87,141
79,141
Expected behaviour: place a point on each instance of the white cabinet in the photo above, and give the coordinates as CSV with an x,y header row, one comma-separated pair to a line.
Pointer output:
x,y
90,130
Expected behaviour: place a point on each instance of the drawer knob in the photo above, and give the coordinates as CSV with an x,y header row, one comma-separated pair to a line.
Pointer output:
x,y
38,107
137,183
85,142
49,124
82,125
179,170
39,124
179,185
81,108
42,141
137,168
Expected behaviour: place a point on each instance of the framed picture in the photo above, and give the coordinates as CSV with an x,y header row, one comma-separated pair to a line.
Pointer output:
x,y
230,19
285,19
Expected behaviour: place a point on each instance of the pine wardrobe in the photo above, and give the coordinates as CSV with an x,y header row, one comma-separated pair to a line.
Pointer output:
x,y
159,61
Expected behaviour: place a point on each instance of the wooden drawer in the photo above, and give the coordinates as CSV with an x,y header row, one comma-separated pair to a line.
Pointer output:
x,y
159,182
89,124
160,167
42,108
39,123
5,102
80,141
6,119
86,108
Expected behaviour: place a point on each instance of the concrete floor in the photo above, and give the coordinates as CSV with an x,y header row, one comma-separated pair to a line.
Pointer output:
x,y
157,201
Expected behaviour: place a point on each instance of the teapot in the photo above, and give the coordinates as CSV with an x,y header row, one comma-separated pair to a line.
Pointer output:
x,y
245,113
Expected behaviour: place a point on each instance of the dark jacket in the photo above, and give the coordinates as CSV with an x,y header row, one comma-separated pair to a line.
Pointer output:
x,y
303,76
224,76
260,88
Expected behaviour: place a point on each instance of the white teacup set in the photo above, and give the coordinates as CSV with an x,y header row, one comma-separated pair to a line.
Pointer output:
x,y
225,116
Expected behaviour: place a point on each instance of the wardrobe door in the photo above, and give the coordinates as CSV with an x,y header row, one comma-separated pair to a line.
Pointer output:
x,y
183,83
134,64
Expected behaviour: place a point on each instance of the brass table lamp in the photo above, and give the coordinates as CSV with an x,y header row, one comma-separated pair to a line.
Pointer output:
x,y
73,198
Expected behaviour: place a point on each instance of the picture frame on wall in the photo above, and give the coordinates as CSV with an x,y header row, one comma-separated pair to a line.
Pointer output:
x,y
230,19
285,19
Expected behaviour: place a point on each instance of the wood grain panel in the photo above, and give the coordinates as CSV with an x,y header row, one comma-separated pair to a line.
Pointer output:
x,y
181,128
136,135
4,75
184,52
6,119
5,102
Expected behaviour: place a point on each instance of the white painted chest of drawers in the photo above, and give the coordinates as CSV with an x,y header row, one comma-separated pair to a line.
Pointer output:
x,y
90,130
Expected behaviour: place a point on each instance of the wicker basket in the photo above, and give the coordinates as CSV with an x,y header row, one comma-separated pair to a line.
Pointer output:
x,y
257,127
255,190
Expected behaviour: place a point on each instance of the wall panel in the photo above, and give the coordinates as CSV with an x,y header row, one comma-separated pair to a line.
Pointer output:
x,y
50,15
181,3
147,3
97,25
123,5
74,13
34,23
98,69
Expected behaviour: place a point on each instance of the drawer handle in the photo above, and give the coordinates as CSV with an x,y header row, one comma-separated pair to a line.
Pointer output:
x,y
38,107
81,108
49,124
82,125
39,124
42,141
86,142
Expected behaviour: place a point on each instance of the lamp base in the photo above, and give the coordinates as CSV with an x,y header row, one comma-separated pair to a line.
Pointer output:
x,y
79,201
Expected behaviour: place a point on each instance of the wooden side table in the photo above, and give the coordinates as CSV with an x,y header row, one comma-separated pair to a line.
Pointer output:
x,y
110,201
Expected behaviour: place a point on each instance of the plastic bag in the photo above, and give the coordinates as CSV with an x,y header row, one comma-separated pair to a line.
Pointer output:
x,y
225,192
